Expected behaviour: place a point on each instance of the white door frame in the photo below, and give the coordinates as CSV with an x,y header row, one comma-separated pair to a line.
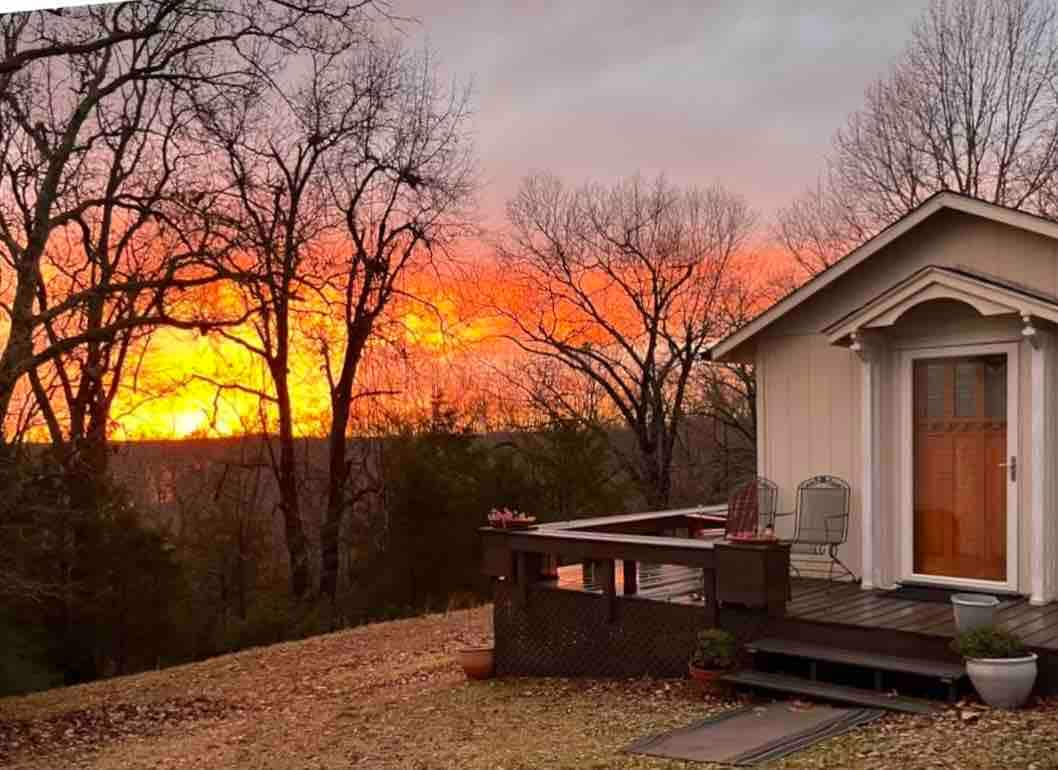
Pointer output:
x,y
906,459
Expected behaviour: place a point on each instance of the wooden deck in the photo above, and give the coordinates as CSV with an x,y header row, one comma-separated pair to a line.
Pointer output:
x,y
839,603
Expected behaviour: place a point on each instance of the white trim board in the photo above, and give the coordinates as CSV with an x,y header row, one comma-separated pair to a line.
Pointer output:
x,y
937,202
906,464
933,283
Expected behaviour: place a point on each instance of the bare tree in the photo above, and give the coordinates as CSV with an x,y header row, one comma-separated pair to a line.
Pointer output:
x,y
360,172
276,147
725,393
70,85
126,229
624,286
970,106
403,193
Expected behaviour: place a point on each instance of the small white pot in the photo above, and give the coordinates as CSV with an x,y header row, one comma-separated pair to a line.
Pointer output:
x,y
1004,683
973,611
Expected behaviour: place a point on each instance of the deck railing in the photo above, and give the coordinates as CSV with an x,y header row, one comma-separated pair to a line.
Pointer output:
x,y
530,556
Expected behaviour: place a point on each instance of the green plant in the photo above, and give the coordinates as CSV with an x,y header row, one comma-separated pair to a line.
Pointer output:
x,y
714,649
989,642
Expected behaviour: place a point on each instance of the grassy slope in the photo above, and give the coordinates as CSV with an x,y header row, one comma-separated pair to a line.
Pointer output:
x,y
388,695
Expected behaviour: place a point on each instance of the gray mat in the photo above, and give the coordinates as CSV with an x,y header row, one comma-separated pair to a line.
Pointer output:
x,y
921,594
755,734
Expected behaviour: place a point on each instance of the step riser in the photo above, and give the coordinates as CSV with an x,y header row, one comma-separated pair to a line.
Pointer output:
x,y
859,658
897,643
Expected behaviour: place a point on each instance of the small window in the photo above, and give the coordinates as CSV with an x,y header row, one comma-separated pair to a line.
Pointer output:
x,y
966,389
996,388
935,390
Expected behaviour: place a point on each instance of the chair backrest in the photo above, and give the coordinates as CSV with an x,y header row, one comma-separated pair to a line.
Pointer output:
x,y
751,505
822,511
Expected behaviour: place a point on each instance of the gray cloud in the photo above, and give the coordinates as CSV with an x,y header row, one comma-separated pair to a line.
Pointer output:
x,y
748,93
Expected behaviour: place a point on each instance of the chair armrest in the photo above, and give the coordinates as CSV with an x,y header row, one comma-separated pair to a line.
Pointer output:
x,y
784,513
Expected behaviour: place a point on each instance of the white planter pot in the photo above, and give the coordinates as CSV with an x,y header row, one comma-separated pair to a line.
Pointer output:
x,y
973,611
1004,683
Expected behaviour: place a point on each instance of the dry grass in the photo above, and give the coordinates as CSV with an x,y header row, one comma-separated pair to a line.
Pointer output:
x,y
389,696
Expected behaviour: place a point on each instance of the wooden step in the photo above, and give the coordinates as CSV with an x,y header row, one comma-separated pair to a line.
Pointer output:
x,y
945,672
793,685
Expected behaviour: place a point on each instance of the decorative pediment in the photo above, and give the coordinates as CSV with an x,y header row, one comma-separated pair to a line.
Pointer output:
x,y
989,296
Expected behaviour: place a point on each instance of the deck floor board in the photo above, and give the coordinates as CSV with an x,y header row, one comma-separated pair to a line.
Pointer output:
x,y
821,601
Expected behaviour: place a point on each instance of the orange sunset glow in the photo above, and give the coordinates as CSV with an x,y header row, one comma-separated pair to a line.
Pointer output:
x,y
447,340
177,393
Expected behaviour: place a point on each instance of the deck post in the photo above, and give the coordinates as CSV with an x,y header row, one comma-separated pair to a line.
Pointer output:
x,y
528,568
521,570
631,577
712,614
1041,561
870,352
607,577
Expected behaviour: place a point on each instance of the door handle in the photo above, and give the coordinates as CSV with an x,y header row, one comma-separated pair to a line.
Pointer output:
x,y
1013,465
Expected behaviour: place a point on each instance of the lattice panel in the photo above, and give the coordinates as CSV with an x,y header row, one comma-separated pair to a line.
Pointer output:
x,y
558,632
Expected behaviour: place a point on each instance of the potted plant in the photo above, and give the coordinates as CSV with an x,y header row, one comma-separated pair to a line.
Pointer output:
x,y
508,518
713,654
1002,671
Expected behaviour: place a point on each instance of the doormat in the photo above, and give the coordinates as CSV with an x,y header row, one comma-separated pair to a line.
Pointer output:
x,y
754,734
913,593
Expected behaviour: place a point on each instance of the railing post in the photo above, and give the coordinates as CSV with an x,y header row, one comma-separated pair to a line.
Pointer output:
x,y
521,573
712,614
608,581
527,569
631,577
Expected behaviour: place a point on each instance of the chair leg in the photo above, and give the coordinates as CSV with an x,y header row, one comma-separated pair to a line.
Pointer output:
x,y
834,560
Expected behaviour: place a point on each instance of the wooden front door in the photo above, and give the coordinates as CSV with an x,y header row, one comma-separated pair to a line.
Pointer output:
x,y
960,467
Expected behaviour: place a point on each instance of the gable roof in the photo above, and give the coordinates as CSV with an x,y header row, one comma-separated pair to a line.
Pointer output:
x,y
935,203
987,294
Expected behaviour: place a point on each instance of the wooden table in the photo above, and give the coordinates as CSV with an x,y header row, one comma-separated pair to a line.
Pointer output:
x,y
753,574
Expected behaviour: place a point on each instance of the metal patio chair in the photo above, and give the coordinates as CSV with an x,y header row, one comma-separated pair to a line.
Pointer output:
x,y
821,522
751,506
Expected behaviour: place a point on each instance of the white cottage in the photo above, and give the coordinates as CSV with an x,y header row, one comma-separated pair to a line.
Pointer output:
x,y
921,367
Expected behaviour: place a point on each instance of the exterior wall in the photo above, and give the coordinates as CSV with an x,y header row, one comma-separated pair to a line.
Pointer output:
x,y
809,422
809,392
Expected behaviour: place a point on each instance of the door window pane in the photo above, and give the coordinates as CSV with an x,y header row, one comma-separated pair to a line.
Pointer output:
x,y
996,388
934,390
966,389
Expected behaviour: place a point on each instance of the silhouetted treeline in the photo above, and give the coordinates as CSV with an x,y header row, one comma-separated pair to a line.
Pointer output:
x,y
182,555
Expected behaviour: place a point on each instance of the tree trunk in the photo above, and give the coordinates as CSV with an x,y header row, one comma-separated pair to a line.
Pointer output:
x,y
18,351
289,504
337,481
338,467
655,462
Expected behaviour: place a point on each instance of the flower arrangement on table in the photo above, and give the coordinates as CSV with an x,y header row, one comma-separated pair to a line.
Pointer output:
x,y
766,535
508,518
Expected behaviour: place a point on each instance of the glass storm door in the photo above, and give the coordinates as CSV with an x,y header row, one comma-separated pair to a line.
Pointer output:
x,y
960,467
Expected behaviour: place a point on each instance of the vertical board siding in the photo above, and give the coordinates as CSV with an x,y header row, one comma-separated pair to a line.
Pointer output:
x,y
810,405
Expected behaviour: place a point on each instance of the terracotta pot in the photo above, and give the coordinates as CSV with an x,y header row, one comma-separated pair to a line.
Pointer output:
x,y
477,662
707,679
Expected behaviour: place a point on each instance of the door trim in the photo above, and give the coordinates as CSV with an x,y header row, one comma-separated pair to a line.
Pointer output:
x,y
906,459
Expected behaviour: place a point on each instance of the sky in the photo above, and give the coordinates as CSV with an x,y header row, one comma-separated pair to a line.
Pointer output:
x,y
744,92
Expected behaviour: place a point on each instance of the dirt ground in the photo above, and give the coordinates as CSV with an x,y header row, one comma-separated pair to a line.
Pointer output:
x,y
390,696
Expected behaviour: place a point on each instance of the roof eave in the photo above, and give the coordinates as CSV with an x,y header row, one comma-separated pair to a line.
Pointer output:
x,y
724,349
